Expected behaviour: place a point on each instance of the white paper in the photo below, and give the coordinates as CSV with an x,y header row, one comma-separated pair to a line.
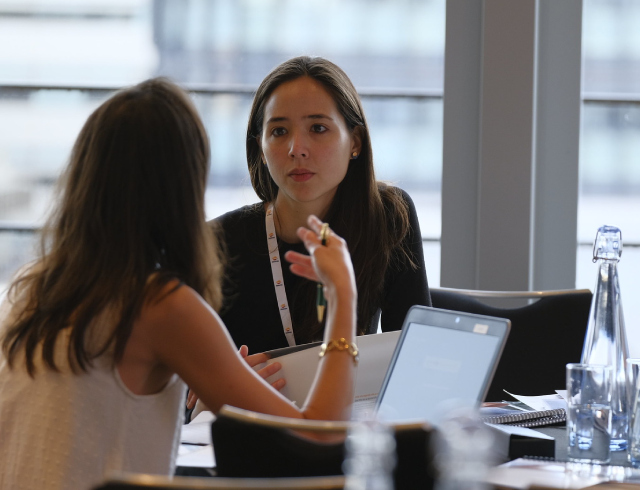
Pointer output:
x,y
205,417
375,355
196,456
520,431
544,402
523,474
490,411
199,430
562,393
502,438
299,368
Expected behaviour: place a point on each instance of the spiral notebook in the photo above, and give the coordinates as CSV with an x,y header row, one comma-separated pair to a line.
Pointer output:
x,y
536,418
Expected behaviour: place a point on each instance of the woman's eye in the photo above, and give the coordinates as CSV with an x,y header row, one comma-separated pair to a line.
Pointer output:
x,y
278,131
318,128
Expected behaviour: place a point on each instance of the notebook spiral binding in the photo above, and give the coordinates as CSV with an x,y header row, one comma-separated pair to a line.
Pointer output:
x,y
545,459
529,419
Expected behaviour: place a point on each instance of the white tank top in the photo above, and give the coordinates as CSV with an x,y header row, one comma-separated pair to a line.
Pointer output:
x,y
67,431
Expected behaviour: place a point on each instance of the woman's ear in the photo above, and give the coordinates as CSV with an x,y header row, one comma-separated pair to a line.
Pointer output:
x,y
356,138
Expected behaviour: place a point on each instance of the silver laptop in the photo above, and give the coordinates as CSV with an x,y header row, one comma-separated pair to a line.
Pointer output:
x,y
442,359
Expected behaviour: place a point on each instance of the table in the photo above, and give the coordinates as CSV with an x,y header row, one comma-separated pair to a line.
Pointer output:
x,y
521,475
525,474
618,458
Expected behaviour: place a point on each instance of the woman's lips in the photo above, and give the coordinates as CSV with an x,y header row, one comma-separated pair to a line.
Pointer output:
x,y
301,175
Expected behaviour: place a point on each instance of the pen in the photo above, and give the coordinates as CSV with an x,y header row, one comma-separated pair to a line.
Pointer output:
x,y
321,303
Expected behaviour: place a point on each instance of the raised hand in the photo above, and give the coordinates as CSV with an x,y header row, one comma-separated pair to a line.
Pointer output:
x,y
329,264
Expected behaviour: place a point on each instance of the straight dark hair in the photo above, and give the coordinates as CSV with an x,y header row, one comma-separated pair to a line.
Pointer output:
x,y
372,216
130,218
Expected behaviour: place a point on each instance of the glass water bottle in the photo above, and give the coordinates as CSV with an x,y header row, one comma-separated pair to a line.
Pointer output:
x,y
370,456
606,340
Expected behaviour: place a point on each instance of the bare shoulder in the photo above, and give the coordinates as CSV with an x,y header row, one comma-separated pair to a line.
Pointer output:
x,y
175,302
180,332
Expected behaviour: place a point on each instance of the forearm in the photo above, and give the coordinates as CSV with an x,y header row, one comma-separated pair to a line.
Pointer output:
x,y
331,394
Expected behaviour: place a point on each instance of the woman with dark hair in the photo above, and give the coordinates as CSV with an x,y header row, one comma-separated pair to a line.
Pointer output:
x,y
101,332
309,152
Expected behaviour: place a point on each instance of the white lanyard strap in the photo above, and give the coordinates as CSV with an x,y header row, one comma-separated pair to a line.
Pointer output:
x,y
278,280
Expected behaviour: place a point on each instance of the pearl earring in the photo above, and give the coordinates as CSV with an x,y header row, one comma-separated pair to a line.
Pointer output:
x,y
354,155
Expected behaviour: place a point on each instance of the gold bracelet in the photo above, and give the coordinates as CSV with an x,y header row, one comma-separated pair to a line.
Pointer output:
x,y
341,345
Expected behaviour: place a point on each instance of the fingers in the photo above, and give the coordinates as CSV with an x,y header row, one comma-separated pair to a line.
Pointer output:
x,y
192,398
311,236
315,224
255,359
269,370
328,261
243,351
278,384
298,258
318,234
321,233
301,265
306,272
252,360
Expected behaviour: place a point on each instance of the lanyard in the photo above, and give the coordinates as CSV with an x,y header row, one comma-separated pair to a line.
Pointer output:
x,y
278,280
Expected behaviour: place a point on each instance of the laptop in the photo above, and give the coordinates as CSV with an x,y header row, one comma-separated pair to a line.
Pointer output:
x,y
443,359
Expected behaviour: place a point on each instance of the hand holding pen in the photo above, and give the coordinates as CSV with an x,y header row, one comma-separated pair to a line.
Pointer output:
x,y
329,262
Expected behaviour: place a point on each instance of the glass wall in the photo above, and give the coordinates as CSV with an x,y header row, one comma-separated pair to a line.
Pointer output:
x,y
67,56
610,144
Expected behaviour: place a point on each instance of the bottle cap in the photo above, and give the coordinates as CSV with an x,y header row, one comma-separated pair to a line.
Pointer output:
x,y
608,244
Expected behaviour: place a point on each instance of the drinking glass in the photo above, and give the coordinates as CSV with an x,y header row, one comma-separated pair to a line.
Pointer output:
x,y
588,413
633,379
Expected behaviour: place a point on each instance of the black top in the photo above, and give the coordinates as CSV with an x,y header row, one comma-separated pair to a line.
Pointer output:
x,y
251,311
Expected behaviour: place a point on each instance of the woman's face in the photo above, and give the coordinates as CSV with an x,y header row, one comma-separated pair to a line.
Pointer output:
x,y
305,143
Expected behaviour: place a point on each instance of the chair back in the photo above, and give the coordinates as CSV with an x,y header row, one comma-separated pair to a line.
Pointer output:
x,y
545,335
251,445
154,482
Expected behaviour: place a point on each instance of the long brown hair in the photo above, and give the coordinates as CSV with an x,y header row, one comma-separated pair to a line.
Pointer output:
x,y
371,216
130,218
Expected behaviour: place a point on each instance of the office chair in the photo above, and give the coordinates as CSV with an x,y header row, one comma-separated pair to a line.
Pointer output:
x,y
545,335
253,445
154,482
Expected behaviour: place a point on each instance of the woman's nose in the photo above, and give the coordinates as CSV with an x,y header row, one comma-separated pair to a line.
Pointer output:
x,y
298,146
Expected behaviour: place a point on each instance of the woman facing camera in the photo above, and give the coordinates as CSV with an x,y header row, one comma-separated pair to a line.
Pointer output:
x,y
309,152
100,334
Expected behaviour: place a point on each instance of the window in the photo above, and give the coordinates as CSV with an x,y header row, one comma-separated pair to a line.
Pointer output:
x,y
67,57
610,141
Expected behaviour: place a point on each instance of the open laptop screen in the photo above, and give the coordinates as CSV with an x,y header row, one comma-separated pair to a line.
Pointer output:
x,y
436,364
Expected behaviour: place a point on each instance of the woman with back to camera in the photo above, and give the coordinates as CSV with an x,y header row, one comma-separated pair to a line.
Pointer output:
x,y
309,152
101,332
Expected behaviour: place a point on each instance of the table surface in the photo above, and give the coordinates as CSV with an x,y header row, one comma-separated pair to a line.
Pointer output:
x,y
540,474
618,458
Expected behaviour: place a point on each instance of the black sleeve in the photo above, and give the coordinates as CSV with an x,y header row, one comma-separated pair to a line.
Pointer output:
x,y
405,286
250,307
